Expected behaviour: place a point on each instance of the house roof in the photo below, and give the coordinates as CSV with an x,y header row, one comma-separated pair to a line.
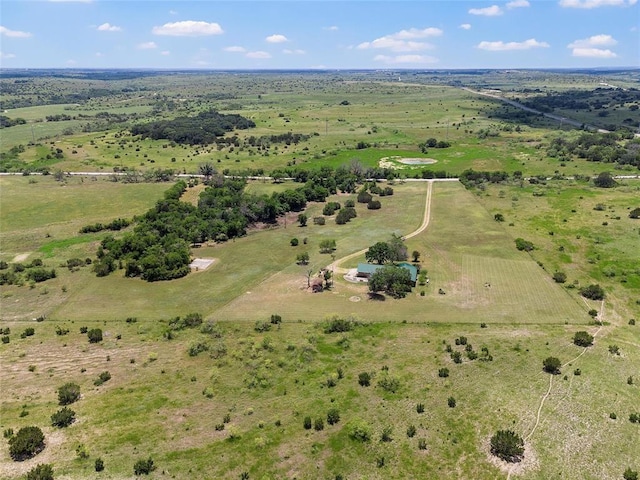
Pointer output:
x,y
370,268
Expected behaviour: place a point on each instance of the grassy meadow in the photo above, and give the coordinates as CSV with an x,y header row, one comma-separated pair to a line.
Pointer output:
x,y
229,398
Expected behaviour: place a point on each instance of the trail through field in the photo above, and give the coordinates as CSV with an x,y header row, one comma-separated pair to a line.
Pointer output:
x,y
425,223
548,392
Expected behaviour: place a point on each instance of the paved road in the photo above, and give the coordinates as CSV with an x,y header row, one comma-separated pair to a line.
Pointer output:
x,y
552,116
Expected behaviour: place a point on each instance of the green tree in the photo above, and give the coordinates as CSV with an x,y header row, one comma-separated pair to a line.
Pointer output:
x,y
364,379
27,443
604,180
379,252
594,292
630,474
393,280
333,416
63,417
302,219
302,258
416,256
559,277
507,445
551,365
635,213
144,467
498,217
68,393
95,335
42,471
327,245
583,339
522,244
397,248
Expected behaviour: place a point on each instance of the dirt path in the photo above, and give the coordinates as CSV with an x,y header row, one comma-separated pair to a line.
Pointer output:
x,y
425,223
548,392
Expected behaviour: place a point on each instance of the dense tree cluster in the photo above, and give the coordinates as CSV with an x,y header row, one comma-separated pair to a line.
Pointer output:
x,y
202,129
470,178
598,147
383,252
391,279
6,122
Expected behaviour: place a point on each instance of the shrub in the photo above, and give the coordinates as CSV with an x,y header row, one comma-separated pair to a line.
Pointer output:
x,y
94,335
293,242
6,339
420,408
42,471
143,467
583,339
318,424
451,402
349,203
63,417
336,324
28,332
27,443
389,383
84,330
374,205
197,348
559,277
319,220
68,393
443,372
594,292
306,423
261,326
364,379
630,474
614,350
99,465
422,444
359,430
507,445
411,431
386,434
613,416
103,377
523,245
551,365
333,416
456,357
634,417
276,319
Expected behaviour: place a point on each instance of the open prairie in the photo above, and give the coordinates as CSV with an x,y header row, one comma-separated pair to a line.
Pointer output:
x,y
273,381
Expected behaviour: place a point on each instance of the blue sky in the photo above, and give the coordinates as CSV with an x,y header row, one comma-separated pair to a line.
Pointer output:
x,y
210,34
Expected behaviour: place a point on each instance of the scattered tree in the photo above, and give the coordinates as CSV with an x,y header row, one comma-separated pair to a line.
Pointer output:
x,y
583,339
604,180
551,365
524,245
630,474
333,416
302,219
635,213
415,256
364,379
42,471
507,445
498,217
559,277
302,258
594,292
63,417
99,465
144,467
95,335
395,281
27,443
379,252
68,393
327,246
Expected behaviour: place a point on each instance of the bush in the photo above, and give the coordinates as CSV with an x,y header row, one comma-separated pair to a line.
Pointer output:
x,y
42,471
386,434
94,335
68,393
143,467
583,339
261,326
389,383
374,205
551,365
443,372
345,214
523,245
420,408
630,474
333,416
293,242
318,424
364,379
27,443
507,445
63,417
28,332
559,277
422,444
451,402
411,431
103,377
306,423
319,220
359,430
99,465
594,292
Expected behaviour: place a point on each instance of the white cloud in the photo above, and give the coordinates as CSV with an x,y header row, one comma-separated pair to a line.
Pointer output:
x,y
235,48
172,12
293,52
413,59
518,4
395,45
165,52
13,33
7,55
188,28
107,27
258,54
147,46
504,47
403,41
593,53
416,33
465,26
492,11
333,28
594,41
276,38
588,4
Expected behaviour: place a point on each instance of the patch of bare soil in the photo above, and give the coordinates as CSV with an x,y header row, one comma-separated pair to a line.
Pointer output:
x,y
21,257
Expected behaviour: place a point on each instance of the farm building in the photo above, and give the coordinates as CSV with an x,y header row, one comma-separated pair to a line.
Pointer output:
x,y
365,270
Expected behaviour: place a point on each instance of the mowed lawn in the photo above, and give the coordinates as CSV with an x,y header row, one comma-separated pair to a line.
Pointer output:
x,y
467,255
